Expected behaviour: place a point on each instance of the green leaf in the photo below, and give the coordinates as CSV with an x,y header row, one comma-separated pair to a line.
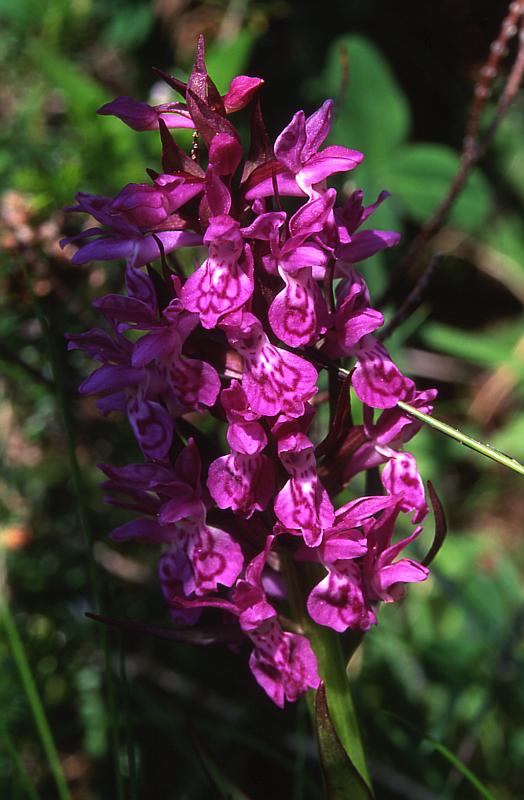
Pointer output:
x,y
331,667
506,258
374,115
508,149
420,176
129,25
489,349
448,755
341,778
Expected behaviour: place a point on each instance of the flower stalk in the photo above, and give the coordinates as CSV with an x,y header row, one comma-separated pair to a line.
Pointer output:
x,y
332,667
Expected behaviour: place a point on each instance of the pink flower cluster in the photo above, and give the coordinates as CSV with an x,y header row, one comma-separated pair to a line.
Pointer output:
x,y
242,337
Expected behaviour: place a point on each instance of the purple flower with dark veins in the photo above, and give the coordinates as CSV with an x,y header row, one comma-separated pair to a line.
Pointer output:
x,y
243,500
224,282
244,480
275,381
300,163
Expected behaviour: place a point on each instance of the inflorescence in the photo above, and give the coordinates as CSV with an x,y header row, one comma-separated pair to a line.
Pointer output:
x,y
276,298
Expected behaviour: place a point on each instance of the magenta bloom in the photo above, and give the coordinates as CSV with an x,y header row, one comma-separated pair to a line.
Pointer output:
x,y
238,502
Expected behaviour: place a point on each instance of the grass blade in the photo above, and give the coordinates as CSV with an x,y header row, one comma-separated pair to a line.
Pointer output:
x,y
33,698
463,438
448,755
10,748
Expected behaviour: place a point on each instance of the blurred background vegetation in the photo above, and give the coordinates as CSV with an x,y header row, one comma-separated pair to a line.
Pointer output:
x,y
449,660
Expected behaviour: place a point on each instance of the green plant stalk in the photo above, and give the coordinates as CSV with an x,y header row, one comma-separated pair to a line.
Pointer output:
x,y
33,698
331,667
468,441
10,748
60,396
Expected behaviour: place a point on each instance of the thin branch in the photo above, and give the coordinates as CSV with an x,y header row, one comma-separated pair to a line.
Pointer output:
x,y
414,298
474,145
467,441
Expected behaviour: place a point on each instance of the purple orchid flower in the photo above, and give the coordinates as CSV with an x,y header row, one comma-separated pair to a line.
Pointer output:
x,y
300,164
274,380
244,480
198,557
303,506
224,282
121,237
240,337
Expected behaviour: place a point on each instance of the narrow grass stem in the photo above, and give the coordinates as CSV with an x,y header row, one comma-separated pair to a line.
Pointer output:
x,y
10,748
468,441
463,438
33,698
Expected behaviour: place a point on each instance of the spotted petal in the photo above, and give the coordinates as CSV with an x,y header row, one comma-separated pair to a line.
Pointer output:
x,y
338,601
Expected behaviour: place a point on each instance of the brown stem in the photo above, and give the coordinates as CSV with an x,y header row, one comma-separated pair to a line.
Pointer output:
x,y
413,300
474,145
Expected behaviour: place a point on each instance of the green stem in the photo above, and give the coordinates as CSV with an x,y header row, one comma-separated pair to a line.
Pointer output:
x,y
453,433
468,441
331,666
33,698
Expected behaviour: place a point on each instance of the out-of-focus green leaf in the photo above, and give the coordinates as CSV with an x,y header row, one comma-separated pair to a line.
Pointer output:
x,y
224,60
509,148
341,778
505,259
420,175
511,436
225,788
374,115
485,350
449,756
129,25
